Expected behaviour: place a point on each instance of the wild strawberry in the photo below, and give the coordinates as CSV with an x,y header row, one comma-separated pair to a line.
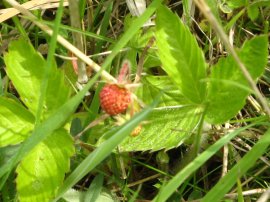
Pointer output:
x,y
114,99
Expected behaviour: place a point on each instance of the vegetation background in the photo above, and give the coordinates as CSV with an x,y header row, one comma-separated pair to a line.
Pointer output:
x,y
197,126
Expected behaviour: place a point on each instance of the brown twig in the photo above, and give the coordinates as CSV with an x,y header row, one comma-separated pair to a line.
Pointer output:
x,y
31,5
225,160
244,193
141,60
92,124
78,38
265,196
139,182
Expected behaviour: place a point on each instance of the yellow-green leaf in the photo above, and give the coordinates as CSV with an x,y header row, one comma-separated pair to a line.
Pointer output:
x,y
16,122
42,171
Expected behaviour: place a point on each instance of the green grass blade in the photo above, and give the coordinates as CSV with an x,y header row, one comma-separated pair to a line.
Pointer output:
x,y
20,27
104,25
49,63
95,188
180,178
86,33
226,183
93,159
1,85
240,191
214,6
132,30
82,6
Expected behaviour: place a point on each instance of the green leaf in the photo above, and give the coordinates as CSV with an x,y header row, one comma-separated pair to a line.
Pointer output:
x,y
228,87
237,3
43,169
253,12
249,160
165,128
180,55
46,128
153,85
26,72
225,8
16,122
253,8
69,72
73,195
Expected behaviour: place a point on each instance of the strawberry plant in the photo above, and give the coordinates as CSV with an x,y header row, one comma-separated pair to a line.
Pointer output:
x,y
34,173
176,103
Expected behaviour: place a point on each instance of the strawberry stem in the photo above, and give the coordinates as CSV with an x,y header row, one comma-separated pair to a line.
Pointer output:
x,y
124,71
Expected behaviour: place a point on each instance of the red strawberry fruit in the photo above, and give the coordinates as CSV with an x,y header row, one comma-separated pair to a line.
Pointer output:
x,y
114,99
